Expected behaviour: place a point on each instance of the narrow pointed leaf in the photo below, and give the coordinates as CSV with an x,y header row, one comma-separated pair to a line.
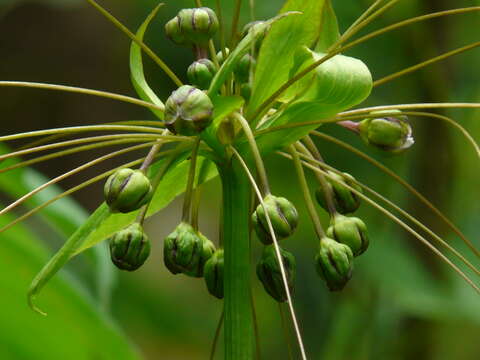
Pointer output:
x,y
136,68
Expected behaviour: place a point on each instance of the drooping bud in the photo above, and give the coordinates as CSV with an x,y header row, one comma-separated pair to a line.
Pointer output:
x,y
130,247
350,231
201,73
244,67
269,272
188,111
388,133
220,56
213,274
283,215
127,190
334,263
198,25
345,201
208,248
182,249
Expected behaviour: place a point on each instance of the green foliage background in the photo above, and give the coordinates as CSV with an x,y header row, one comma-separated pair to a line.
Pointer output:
x,y
401,304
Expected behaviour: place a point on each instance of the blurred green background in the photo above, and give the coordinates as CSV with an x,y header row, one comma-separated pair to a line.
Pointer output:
x,y
402,303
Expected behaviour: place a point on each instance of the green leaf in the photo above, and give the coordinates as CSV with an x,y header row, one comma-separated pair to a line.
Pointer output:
x,y
283,39
77,329
336,85
136,68
242,48
328,31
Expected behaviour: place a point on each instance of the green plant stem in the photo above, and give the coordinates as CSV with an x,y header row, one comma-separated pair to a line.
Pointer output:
x,y
425,63
202,175
239,329
236,18
262,173
406,185
75,150
312,212
283,319
277,251
217,335
84,91
71,173
140,43
187,202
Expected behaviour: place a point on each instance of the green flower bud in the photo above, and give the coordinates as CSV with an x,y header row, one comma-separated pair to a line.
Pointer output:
x,y
221,59
242,70
130,247
334,263
269,273
198,25
254,26
390,133
283,215
350,231
206,253
213,274
127,190
182,249
188,111
201,73
174,33
345,201
246,91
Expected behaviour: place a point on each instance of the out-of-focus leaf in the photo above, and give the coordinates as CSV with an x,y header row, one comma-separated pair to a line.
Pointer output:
x,y
283,39
76,329
329,32
136,68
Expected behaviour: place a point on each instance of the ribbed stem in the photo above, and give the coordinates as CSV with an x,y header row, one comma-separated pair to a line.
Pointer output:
x,y
239,330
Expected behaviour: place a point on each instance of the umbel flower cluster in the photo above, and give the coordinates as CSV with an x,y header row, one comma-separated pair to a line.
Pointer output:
x,y
188,112
265,91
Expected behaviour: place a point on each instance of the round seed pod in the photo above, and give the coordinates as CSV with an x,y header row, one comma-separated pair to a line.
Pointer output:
x,y
127,190
201,73
283,215
182,249
243,68
208,248
188,111
387,133
198,25
334,263
214,274
350,231
269,273
345,201
129,248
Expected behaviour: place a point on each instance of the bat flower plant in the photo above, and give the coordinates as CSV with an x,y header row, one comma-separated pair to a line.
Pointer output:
x,y
266,90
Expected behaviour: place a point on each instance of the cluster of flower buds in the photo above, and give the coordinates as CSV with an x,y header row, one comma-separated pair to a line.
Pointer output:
x,y
270,274
345,200
192,26
188,111
282,214
127,190
130,247
391,133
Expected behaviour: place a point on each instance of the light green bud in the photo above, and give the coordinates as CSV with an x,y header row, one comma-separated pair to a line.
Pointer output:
x,y
174,33
183,249
201,73
129,248
334,263
208,248
345,201
214,274
389,133
221,59
283,215
198,25
269,272
350,231
127,190
188,111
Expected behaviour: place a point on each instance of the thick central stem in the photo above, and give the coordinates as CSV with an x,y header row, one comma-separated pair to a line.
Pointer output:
x,y
239,328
